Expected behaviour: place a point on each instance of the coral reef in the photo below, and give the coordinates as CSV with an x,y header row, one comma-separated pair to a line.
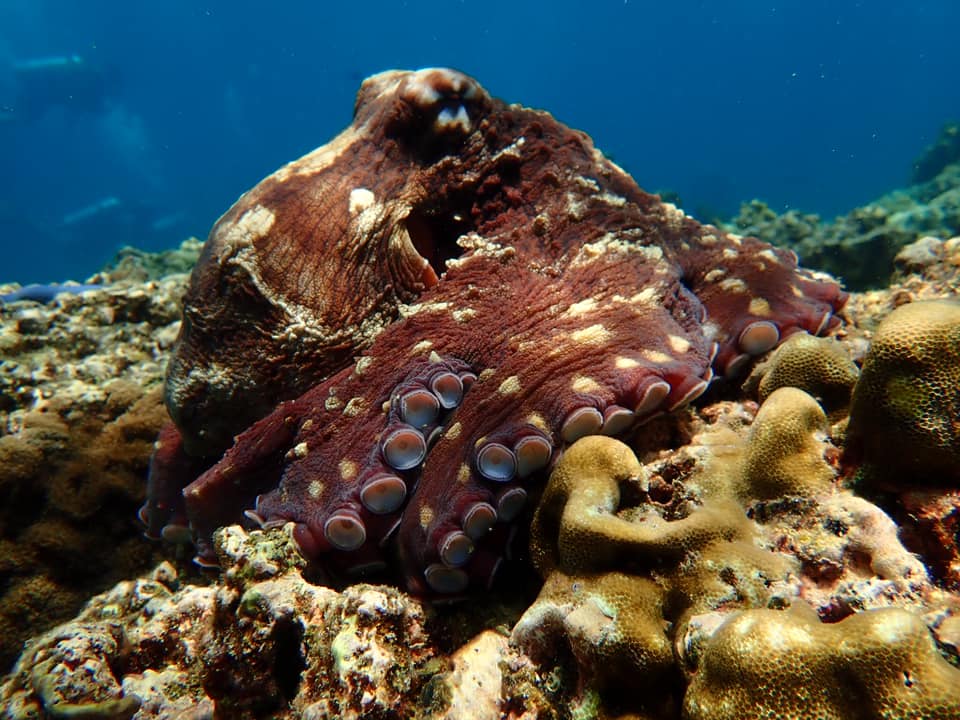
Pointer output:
x,y
724,546
943,152
80,407
763,524
860,247
137,265
877,664
726,559
263,643
821,367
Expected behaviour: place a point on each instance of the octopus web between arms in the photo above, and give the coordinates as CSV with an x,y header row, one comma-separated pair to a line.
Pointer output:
x,y
405,327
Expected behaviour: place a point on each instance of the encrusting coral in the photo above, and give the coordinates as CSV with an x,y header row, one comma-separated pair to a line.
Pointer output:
x,y
262,643
789,665
68,483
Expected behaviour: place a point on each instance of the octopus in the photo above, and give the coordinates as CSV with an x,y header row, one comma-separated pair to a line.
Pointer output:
x,y
388,343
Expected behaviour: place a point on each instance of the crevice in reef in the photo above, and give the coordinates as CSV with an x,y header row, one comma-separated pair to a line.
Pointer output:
x,y
289,663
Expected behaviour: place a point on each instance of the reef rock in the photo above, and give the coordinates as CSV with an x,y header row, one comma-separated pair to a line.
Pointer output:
x,y
80,407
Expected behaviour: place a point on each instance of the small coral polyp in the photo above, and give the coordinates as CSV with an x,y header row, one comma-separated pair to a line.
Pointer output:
x,y
404,328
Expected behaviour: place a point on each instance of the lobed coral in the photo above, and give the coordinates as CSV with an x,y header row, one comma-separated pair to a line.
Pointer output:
x,y
904,425
786,447
821,367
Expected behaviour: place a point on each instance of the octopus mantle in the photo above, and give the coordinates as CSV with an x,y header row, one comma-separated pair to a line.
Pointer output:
x,y
405,327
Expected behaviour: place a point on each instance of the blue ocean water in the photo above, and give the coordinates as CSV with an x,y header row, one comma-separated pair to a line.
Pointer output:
x,y
139,123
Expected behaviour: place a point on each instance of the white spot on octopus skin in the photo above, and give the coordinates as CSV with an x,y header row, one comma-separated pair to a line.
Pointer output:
x,y
584,384
539,422
464,314
348,469
315,489
360,200
625,363
715,275
355,406
657,357
760,307
734,285
581,308
421,347
426,516
592,335
363,364
678,344
510,386
611,199
254,224
647,297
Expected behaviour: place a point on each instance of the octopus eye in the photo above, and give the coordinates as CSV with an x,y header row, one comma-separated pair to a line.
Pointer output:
x,y
438,109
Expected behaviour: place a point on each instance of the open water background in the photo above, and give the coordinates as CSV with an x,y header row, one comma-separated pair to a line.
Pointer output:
x,y
177,107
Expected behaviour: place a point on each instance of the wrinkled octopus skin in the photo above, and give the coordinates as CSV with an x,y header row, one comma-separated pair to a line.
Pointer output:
x,y
405,327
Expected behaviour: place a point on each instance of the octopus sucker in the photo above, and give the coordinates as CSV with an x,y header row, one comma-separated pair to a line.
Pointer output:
x,y
387,344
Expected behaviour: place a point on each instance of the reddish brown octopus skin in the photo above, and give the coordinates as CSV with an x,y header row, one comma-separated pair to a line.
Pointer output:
x,y
575,304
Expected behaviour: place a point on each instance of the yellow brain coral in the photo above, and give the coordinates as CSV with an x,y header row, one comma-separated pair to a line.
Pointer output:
x,y
905,414
613,625
576,526
880,664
